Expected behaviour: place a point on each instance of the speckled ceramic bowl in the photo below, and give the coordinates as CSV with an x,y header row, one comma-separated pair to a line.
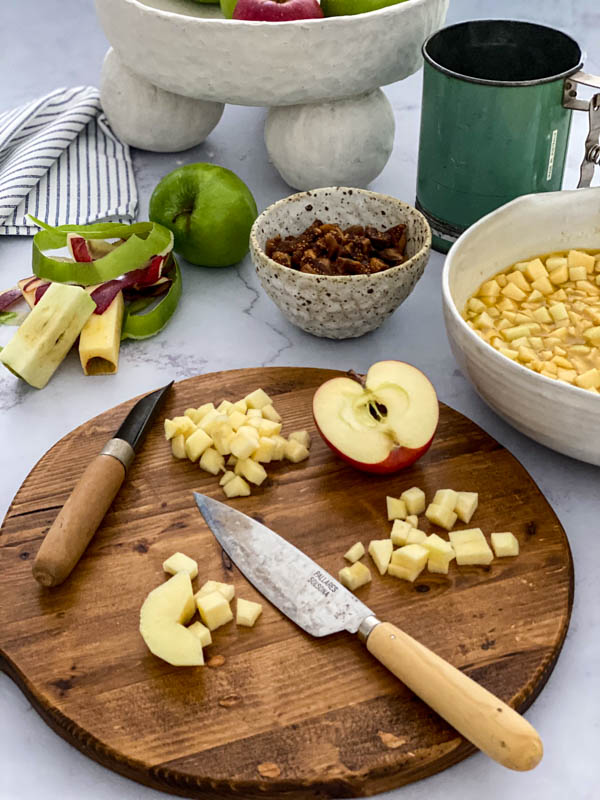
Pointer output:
x,y
339,307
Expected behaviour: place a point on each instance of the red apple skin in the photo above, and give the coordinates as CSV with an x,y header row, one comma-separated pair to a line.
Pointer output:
x,y
79,248
273,11
398,458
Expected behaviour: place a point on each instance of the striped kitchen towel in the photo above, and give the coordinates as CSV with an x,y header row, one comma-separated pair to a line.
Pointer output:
x,y
61,162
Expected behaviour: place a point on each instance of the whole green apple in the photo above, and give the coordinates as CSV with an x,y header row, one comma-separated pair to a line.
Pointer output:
x,y
228,7
210,211
340,8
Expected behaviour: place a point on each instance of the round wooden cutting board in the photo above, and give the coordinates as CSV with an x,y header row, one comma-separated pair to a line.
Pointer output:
x,y
276,713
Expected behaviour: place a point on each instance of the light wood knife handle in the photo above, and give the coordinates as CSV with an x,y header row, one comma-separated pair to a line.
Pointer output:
x,y
482,718
78,520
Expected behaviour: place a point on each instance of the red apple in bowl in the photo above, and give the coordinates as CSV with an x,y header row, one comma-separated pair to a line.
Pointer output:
x,y
277,10
381,422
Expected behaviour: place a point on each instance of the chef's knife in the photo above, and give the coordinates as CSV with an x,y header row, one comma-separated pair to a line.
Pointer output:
x,y
89,501
315,601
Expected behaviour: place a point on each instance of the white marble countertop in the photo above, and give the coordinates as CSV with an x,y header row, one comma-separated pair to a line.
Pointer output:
x,y
225,321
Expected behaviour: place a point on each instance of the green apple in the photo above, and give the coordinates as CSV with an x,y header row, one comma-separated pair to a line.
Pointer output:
x,y
228,7
340,8
210,211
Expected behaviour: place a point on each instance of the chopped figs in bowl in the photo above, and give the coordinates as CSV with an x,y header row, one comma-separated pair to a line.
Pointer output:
x,y
339,306
553,412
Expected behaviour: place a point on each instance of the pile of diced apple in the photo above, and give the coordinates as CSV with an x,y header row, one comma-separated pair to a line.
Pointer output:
x,y
417,550
235,439
169,607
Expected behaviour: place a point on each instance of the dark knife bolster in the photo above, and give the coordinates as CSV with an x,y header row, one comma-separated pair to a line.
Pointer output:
x,y
121,450
367,626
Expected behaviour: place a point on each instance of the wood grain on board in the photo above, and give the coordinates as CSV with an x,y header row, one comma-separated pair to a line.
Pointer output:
x,y
278,713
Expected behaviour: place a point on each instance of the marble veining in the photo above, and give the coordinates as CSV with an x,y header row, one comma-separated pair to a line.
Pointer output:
x,y
226,321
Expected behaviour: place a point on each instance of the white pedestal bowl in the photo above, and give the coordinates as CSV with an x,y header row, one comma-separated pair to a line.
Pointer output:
x,y
191,50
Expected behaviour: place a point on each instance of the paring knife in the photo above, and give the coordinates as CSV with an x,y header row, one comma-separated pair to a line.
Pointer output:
x,y
89,501
320,605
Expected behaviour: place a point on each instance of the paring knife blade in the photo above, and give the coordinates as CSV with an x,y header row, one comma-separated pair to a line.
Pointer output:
x,y
89,501
315,601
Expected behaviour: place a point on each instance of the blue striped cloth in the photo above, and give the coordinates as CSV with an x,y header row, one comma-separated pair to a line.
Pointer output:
x,y
61,162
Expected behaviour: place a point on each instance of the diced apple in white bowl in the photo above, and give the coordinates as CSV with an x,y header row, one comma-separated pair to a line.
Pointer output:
x,y
380,423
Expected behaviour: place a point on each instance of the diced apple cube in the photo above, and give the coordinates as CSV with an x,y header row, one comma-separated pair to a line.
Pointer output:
x,y
279,447
559,274
446,498
231,461
355,552
179,562
237,487
413,520
577,258
212,461
239,405
215,424
226,589
178,446
468,535
251,470
380,551
414,499
202,632
214,610
254,413
301,436
473,553
254,422
505,544
269,412
257,399
227,476
247,612
196,444
222,438
224,407
466,505
192,413
441,566
266,446
237,419
295,452
400,531
471,547
438,547
355,576
441,516
209,417
407,562
179,425
416,536
269,428
535,269
245,442
203,410
396,508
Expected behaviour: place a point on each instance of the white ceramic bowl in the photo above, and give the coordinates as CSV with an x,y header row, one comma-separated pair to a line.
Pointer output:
x,y
562,417
339,306
190,49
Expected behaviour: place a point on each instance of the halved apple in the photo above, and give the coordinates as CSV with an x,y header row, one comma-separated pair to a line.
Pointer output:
x,y
381,422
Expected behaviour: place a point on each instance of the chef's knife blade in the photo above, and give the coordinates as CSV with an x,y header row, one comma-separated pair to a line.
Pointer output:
x,y
89,501
317,603
287,577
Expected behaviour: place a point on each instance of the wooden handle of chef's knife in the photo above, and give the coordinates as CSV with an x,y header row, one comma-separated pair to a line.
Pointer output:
x,y
78,520
482,718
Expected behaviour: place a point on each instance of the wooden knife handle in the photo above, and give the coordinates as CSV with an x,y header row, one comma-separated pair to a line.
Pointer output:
x,y
482,718
78,520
